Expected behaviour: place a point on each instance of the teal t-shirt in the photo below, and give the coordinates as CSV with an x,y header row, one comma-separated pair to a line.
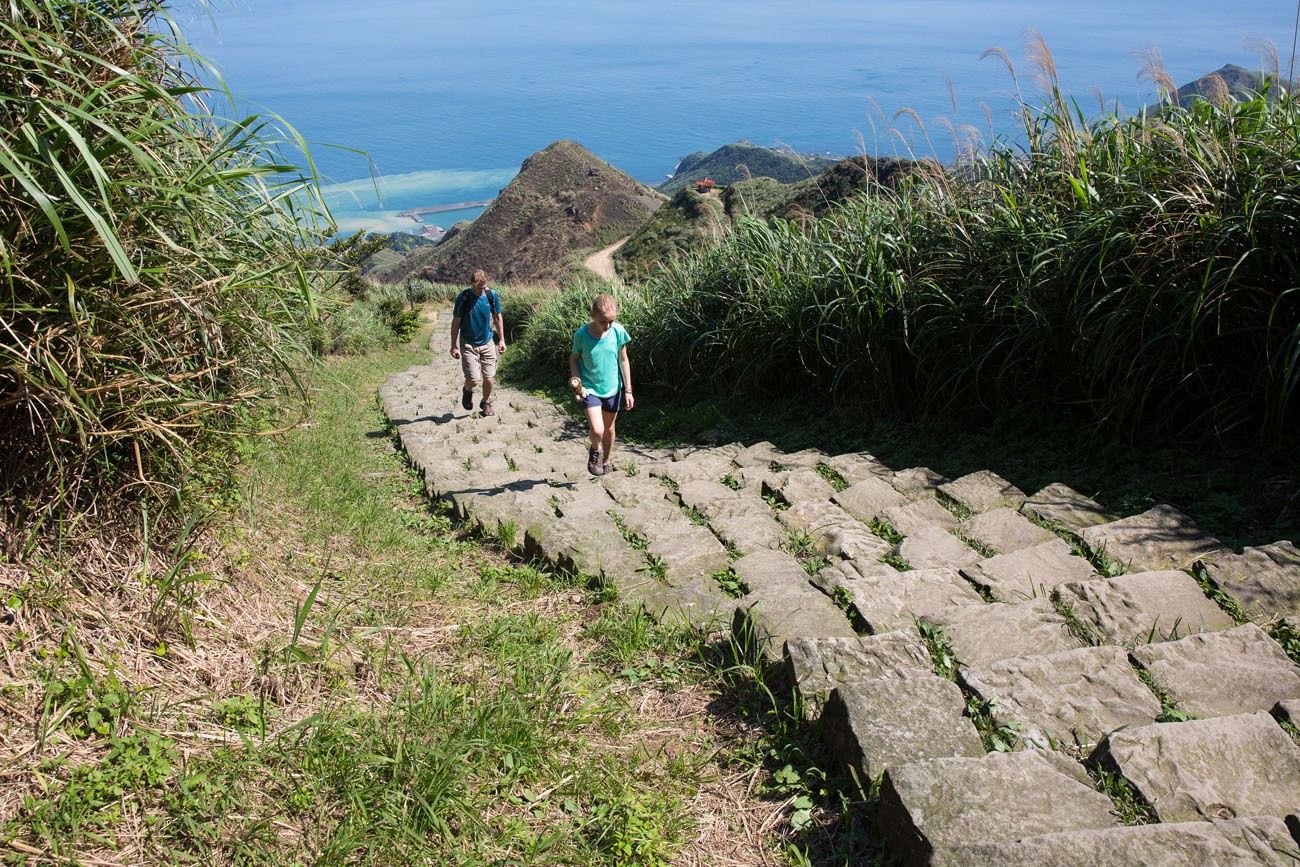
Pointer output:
x,y
598,359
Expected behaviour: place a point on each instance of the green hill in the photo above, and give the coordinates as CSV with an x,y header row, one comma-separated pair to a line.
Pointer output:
x,y
563,200
737,162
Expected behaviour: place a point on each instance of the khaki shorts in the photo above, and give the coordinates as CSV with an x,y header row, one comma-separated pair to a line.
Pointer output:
x,y
478,362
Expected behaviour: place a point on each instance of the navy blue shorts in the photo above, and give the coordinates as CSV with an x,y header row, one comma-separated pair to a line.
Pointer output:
x,y
607,404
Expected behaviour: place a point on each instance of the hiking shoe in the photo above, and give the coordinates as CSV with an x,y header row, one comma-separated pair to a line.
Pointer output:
x,y
467,398
607,469
486,407
593,463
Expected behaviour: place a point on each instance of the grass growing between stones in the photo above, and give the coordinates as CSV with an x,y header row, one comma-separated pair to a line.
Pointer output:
x,y
1286,634
1169,710
1130,807
364,683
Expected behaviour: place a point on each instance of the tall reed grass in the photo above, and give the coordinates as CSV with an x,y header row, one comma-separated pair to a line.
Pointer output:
x,y
151,259
1142,270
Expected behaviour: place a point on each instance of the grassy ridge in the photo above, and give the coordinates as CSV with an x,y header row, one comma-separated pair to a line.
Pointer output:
x,y
1141,272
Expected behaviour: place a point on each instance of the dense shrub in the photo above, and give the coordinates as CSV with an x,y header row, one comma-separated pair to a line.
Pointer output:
x,y
150,259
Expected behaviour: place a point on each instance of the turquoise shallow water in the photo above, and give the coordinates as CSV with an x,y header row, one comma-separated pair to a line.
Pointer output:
x,y
446,99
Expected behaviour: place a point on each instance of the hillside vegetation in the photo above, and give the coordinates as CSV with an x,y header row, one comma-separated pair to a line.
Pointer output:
x,y
737,162
153,259
1140,272
693,221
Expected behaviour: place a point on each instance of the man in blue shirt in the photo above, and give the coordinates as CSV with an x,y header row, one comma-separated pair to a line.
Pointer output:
x,y
476,314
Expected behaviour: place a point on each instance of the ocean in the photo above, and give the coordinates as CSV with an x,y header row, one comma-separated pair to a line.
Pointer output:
x,y
425,103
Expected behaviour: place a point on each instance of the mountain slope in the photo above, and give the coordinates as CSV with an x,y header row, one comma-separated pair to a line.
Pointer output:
x,y
563,200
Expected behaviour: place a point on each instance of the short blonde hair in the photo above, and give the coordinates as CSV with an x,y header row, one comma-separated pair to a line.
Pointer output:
x,y
604,303
480,277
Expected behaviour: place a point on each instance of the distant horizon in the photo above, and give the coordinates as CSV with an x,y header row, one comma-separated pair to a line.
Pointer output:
x,y
446,101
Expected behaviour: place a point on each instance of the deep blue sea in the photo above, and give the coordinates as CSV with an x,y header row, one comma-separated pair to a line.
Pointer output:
x,y
446,99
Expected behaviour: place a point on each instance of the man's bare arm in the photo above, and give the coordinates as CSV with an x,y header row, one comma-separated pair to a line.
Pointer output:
x,y
455,335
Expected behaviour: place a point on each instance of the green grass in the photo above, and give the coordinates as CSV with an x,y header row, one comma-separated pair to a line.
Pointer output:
x,y
413,661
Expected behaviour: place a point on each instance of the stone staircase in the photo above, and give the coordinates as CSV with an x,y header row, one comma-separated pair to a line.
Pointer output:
x,y
929,624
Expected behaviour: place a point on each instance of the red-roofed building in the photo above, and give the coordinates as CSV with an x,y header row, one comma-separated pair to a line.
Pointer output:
x,y
703,185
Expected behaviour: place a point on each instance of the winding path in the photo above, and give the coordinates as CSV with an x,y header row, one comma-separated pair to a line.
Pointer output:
x,y
602,261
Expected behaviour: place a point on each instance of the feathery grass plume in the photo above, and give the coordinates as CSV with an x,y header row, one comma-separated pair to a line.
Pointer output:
x,y
1153,70
150,258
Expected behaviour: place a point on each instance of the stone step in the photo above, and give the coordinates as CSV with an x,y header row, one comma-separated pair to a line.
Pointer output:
x,y
781,605
982,634
1159,538
1143,608
853,467
934,805
1235,671
914,516
873,725
887,600
815,666
933,547
1069,698
917,483
1004,530
833,530
1209,769
1247,842
740,519
687,550
983,491
1065,507
1265,580
802,486
1030,572
869,498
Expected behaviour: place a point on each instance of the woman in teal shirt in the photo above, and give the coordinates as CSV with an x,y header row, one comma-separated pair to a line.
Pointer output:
x,y
601,378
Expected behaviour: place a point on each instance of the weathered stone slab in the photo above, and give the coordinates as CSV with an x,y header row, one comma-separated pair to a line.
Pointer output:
x,y
1235,671
917,483
699,603
782,605
868,498
700,464
1159,538
1144,608
1030,572
888,602
1212,769
933,547
687,550
760,454
1070,697
936,804
873,725
910,518
856,466
981,634
1253,842
983,490
1004,530
815,666
712,498
1266,580
833,530
1062,505
842,573
803,486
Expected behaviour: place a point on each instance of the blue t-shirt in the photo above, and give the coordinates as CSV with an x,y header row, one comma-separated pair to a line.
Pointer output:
x,y
598,359
475,314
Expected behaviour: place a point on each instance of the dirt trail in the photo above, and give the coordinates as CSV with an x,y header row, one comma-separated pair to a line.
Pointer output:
x,y
602,261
